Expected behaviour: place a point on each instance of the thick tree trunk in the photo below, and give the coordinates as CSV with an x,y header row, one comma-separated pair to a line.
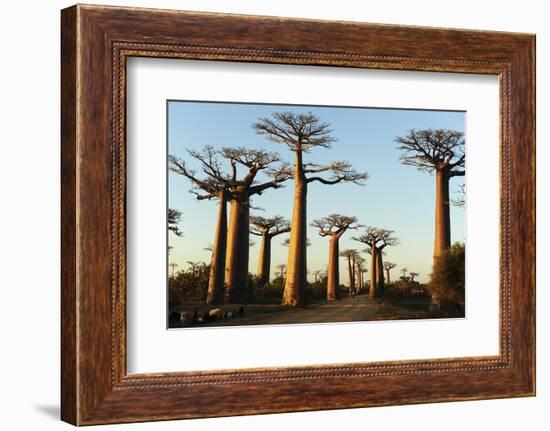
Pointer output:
x,y
333,274
442,240
352,282
296,273
380,273
388,276
264,262
350,274
217,264
442,214
238,240
372,289
358,276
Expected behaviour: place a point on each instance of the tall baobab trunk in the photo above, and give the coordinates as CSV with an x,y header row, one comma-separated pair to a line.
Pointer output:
x,y
352,281
238,240
264,262
350,275
333,274
296,273
373,270
442,214
442,239
358,277
217,264
388,276
380,273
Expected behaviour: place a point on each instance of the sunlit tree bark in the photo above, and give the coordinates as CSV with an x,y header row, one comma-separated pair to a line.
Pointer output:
x,y
334,226
302,133
242,189
217,263
232,237
440,151
213,185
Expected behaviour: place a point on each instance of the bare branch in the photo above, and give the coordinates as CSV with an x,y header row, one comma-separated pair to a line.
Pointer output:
x,y
174,219
212,185
341,172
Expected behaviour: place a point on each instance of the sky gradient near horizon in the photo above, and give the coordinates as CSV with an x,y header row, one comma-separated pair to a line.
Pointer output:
x,y
396,197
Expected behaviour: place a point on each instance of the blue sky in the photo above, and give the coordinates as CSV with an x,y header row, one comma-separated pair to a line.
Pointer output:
x,y
396,196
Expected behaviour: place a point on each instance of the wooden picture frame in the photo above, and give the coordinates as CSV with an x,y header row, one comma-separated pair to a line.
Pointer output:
x,y
95,42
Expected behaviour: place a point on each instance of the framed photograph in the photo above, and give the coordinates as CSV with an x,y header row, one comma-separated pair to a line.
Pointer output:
x,y
324,214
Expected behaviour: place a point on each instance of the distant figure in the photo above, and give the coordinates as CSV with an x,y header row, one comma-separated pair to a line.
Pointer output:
x,y
195,315
240,312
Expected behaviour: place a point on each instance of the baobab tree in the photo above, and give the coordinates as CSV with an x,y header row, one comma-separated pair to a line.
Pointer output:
x,y
378,239
364,271
350,255
359,262
238,235
214,185
375,275
334,226
282,270
317,274
440,151
388,266
386,240
413,275
267,228
231,243
174,219
302,133
404,271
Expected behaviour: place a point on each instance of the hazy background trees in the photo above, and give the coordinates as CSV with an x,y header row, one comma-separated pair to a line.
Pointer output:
x,y
267,229
377,239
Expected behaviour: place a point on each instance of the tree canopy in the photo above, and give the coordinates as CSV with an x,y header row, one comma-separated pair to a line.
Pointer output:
x,y
268,225
430,149
335,225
